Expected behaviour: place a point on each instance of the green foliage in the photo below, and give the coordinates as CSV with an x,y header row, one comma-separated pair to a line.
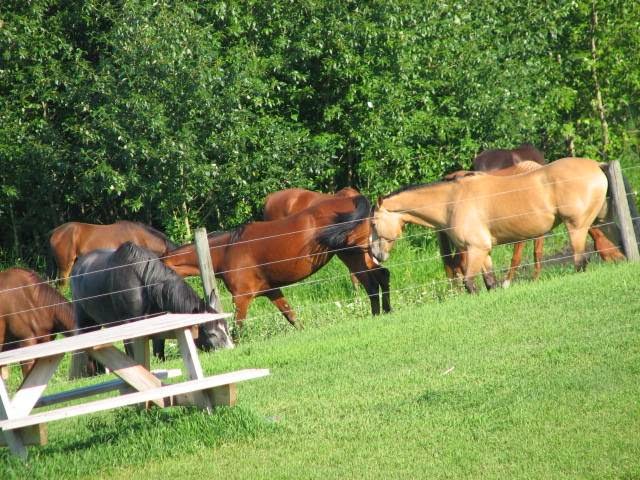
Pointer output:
x,y
190,113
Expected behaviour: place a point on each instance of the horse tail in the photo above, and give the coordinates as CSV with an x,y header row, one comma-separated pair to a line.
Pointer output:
x,y
334,236
52,264
447,254
607,210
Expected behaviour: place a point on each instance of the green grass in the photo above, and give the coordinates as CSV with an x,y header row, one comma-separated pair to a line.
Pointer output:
x,y
539,380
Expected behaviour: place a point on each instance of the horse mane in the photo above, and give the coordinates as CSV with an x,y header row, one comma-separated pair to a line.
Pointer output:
x,y
166,289
335,235
153,231
414,186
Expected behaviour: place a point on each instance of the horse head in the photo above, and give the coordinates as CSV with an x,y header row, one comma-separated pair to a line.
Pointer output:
x,y
386,228
215,334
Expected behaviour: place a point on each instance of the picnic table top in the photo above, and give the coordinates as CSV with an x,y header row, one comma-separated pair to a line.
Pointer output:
x,y
106,336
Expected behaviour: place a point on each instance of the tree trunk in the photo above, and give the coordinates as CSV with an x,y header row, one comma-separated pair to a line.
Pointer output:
x,y
596,81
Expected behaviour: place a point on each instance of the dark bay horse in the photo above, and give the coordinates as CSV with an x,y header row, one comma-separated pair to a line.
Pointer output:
x,y
514,162
74,239
480,211
281,204
31,311
131,283
259,258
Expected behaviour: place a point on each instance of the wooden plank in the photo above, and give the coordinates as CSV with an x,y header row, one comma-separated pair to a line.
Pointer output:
x,y
33,435
134,398
142,328
172,335
141,352
103,387
34,385
127,369
620,200
226,395
207,273
12,439
193,369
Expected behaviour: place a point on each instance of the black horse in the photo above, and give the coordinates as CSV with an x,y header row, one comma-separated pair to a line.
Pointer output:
x,y
130,283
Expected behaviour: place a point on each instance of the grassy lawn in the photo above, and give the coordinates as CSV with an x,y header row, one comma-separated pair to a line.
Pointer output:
x,y
539,380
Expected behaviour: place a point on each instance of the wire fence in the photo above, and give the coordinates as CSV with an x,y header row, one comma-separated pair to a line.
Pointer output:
x,y
390,265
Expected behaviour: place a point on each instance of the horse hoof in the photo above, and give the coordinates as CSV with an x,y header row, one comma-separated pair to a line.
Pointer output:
x,y
506,283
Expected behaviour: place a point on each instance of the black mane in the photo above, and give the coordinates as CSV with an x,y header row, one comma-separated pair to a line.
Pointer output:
x,y
167,291
335,235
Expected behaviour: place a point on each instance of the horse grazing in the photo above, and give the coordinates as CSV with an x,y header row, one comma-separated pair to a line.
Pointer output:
x,y
31,311
74,239
480,211
131,283
514,162
259,258
281,204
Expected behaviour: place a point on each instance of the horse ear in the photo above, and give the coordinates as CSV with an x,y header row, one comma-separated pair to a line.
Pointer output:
x,y
379,202
211,303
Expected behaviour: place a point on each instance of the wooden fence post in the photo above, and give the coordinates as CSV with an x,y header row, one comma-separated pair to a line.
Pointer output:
x,y
207,273
620,201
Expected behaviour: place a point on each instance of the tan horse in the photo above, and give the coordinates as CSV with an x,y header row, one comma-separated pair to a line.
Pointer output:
x,y
480,211
454,262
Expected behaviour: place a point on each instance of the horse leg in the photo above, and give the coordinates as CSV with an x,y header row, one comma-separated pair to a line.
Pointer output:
x,y
475,259
538,245
357,265
608,251
241,303
488,275
27,365
158,348
516,259
383,277
277,298
578,238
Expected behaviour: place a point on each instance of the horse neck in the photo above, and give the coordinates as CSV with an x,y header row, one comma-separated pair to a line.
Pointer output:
x,y
62,311
427,206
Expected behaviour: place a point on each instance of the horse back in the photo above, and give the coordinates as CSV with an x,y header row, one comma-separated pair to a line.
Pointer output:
x,y
499,159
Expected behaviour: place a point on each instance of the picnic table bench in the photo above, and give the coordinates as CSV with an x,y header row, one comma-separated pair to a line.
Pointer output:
x,y
21,426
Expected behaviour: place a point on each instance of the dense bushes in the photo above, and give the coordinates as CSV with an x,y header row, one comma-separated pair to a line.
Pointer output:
x,y
188,113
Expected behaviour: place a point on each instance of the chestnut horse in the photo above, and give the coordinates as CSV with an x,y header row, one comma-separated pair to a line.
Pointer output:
x,y
259,258
480,211
74,239
31,311
281,204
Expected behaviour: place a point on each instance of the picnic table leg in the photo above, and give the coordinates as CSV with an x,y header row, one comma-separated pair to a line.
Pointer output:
x,y
127,369
193,368
13,439
141,352
34,385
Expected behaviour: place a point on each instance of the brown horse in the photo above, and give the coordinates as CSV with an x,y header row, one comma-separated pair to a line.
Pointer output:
x,y
502,158
31,311
480,211
281,204
259,258
74,239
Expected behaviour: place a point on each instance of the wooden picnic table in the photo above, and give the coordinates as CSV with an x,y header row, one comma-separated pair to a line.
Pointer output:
x,y
21,426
